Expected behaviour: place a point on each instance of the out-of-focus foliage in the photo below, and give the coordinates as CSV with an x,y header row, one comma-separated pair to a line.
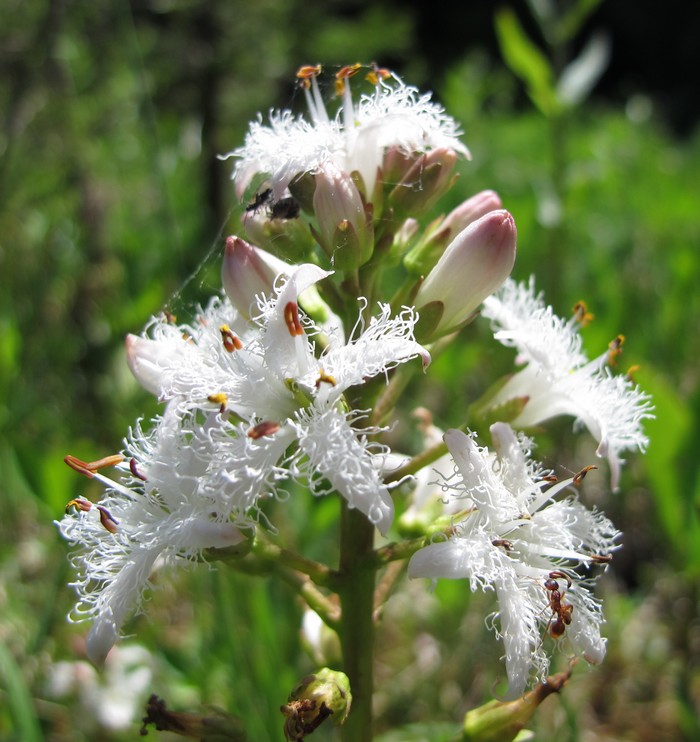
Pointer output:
x,y
111,198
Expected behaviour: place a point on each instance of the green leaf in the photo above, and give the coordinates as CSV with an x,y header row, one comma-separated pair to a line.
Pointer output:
x,y
674,498
527,62
18,698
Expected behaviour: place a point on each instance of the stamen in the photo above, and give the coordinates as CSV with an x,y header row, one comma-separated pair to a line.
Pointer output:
x,y
135,471
231,341
221,399
307,71
581,313
263,429
348,71
170,318
107,520
291,317
324,377
615,349
579,476
377,74
81,504
601,558
345,73
88,468
631,371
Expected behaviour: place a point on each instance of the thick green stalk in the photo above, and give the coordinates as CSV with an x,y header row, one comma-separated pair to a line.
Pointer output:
x,y
356,592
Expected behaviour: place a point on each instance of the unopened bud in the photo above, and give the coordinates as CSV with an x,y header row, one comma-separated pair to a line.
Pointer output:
x,y
428,178
324,694
502,721
472,267
345,230
470,210
426,253
146,359
279,233
248,271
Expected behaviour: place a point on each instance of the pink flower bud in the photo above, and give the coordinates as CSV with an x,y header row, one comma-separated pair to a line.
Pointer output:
x,y
426,253
470,210
248,271
344,227
429,177
472,267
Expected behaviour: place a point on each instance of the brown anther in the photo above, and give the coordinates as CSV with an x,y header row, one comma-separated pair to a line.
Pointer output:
x,y
262,429
80,504
581,313
551,478
345,73
615,349
348,71
307,71
107,520
221,399
579,476
323,377
88,468
631,371
376,74
231,341
135,471
601,558
291,317
503,542
170,318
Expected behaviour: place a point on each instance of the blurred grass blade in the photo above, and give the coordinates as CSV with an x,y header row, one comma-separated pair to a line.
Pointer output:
x,y
673,497
527,62
19,699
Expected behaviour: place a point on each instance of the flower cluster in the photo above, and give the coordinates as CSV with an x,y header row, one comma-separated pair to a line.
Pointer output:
x,y
243,413
291,375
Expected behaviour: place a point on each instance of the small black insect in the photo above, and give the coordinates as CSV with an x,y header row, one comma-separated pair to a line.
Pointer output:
x,y
285,208
260,200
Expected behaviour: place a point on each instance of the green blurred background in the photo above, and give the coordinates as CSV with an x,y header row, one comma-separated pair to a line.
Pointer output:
x,y
113,206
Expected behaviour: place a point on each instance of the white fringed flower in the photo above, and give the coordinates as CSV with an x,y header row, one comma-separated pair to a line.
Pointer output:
x,y
395,116
271,379
558,379
162,511
517,538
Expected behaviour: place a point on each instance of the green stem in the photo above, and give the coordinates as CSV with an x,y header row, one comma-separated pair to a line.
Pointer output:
x,y
418,462
328,611
356,592
392,392
271,553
